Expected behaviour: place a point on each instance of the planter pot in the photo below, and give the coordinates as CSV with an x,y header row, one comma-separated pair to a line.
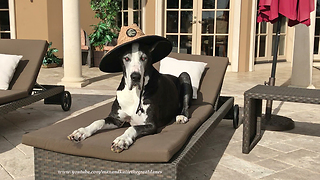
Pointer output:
x,y
52,65
97,55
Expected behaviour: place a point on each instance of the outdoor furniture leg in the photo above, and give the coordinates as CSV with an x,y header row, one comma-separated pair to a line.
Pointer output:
x,y
252,123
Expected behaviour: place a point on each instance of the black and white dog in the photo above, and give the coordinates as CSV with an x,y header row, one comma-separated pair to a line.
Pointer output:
x,y
146,99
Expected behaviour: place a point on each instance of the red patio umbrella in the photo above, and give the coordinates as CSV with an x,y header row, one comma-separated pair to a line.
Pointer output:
x,y
297,11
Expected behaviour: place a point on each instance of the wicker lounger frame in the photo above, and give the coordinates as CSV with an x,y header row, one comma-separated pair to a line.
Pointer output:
x,y
51,93
26,73
54,165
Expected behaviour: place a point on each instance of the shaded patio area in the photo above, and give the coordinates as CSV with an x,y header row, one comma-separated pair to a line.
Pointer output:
x,y
293,154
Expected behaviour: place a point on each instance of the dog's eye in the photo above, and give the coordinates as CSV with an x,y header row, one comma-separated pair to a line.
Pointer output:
x,y
126,59
143,58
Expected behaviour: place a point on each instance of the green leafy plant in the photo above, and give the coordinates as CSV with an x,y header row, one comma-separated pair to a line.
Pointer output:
x,y
106,29
50,57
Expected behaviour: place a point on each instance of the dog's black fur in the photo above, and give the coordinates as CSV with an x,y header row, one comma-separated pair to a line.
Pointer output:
x,y
162,98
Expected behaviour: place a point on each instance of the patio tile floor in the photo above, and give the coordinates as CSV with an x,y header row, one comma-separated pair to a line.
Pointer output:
x,y
292,155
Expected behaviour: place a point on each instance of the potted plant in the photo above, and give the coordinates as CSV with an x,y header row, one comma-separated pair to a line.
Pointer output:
x,y
50,59
106,30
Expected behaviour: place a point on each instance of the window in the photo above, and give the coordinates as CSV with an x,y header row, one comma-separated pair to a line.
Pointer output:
x,y
316,50
265,39
4,20
130,13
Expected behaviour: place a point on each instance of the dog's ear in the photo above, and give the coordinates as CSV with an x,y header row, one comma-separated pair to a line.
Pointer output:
x,y
161,46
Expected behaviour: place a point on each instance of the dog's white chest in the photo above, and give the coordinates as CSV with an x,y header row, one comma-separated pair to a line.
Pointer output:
x,y
129,102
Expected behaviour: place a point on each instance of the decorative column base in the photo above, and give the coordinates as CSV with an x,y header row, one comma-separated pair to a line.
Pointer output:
x,y
74,83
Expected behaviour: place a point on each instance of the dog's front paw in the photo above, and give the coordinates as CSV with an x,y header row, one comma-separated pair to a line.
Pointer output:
x,y
181,119
121,143
79,135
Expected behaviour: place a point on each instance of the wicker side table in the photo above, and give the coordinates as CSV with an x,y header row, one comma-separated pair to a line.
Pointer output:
x,y
253,97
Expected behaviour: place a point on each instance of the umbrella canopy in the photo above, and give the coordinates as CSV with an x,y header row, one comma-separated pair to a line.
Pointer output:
x,y
297,11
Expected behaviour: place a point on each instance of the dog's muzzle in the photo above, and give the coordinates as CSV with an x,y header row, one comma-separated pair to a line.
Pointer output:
x,y
135,80
135,77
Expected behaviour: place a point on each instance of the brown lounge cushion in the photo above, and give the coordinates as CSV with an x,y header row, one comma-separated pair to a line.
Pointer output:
x,y
11,95
152,148
159,147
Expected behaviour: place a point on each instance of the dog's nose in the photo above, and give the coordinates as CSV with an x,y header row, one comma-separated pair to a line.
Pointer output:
x,y
135,76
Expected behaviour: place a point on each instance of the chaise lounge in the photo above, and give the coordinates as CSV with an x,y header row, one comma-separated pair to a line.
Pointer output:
x,y
23,89
160,156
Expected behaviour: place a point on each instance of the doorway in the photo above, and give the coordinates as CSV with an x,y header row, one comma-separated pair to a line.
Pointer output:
x,y
198,26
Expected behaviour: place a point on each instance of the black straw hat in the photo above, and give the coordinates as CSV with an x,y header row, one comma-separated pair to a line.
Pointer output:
x,y
160,47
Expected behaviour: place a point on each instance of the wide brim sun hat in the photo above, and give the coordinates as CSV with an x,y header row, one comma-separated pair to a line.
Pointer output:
x,y
160,47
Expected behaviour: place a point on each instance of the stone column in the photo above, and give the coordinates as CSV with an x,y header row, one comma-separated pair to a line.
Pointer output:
x,y
302,59
72,62
302,63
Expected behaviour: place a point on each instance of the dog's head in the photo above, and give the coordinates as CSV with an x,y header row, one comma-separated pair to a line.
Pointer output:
x,y
135,61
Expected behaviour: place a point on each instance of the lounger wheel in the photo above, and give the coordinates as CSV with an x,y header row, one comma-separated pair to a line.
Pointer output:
x,y
235,116
66,100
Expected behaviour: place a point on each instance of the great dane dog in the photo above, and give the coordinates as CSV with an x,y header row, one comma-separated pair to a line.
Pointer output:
x,y
145,99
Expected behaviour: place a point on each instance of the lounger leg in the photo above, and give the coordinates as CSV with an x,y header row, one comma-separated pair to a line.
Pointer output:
x,y
89,59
